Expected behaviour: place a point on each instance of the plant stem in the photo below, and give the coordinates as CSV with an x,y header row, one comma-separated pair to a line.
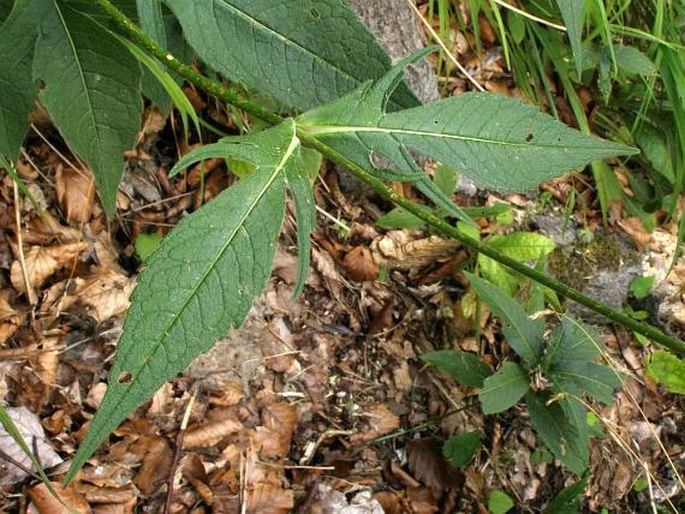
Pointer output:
x,y
223,93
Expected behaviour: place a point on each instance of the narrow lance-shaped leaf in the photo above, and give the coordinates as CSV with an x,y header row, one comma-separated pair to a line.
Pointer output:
x,y
496,141
200,282
302,53
573,13
521,332
18,90
92,91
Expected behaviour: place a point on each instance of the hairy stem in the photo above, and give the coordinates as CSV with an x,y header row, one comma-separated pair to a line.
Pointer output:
x,y
222,92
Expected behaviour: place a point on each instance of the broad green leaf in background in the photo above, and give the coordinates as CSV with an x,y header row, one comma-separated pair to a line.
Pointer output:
x,y
18,90
579,377
641,286
499,502
668,370
461,448
631,60
521,332
504,389
496,141
560,436
522,246
301,53
572,340
101,118
569,499
573,13
464,367
200,282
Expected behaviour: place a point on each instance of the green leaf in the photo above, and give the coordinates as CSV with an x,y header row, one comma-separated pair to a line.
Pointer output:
x,y
200,282
641,286
460,449
401,218
504,389
573,13
521,332
568,500
466,368
305,207
557,432
499,503
668,370
446,179
19,32
572,340
146,245
302,53
580,377
631,60
92,91
496,141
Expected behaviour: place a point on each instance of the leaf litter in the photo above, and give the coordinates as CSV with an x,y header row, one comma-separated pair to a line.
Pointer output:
x,y
315,405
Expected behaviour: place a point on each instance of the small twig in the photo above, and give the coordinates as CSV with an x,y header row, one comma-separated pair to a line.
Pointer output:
x,y
177,455
20,244
532,17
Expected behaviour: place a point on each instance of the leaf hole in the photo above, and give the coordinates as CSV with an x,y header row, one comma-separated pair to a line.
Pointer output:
x,y
125,378
315,13
529,137
41,85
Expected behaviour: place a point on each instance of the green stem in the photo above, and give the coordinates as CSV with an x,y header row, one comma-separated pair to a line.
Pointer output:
x,y
229,96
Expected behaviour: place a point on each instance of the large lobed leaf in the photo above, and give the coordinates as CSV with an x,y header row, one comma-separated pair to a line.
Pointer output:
x,y
19,32
91,87
200,283
303,53
496,141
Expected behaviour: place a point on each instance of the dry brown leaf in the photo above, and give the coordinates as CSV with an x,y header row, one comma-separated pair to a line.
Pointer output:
x,y
378,420
42,262
210,434
636,230
390,501
45,503
156,464
45,361
269,499
194,472
359,264
280,419
427,464
10,318
75,193
396,251
422,501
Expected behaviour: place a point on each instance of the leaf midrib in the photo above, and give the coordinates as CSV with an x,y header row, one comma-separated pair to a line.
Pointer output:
x,y
322,130
81,72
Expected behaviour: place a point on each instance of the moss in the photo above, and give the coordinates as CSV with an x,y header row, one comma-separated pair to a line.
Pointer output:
x,y
576,263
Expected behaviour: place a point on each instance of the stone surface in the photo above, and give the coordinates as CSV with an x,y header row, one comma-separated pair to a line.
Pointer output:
x,y
395,25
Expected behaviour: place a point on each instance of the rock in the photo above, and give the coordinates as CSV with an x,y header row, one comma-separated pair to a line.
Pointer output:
x,y
396,27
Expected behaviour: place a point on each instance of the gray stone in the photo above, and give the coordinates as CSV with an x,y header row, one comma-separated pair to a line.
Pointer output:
x,y
396,27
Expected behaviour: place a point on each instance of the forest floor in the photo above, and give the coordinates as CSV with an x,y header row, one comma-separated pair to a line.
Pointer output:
x,y
319,403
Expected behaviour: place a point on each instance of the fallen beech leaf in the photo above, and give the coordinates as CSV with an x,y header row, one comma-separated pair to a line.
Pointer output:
x,y
32,431
75,193
269,499
45,503
378,420
636,230
43,262
359,264
210,434
429,466
156,465
10,318
280,418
